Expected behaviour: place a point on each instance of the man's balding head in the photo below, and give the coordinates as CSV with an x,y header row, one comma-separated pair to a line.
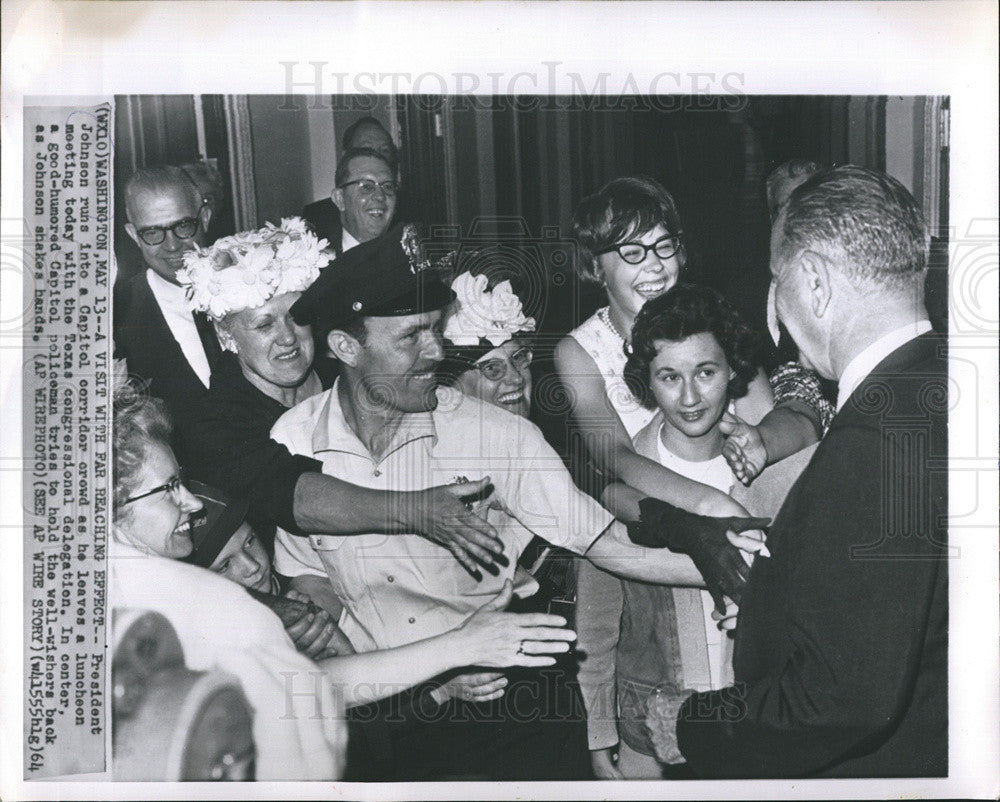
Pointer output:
x,y
866,220
161,180
848,260
166,216
370,133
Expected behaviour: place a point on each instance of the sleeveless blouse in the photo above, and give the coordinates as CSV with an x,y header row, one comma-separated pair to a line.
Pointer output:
x,y
605,346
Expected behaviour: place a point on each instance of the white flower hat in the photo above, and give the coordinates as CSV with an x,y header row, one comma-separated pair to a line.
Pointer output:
x,y
246,270
480,320
482,314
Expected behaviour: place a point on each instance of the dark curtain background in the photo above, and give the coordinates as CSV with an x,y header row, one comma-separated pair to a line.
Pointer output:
x,y
522,164
498,180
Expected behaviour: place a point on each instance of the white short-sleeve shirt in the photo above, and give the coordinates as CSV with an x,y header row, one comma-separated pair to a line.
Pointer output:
x,y
397,589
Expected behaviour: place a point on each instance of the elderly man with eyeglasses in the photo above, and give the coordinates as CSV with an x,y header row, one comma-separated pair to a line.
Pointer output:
x,y
161,340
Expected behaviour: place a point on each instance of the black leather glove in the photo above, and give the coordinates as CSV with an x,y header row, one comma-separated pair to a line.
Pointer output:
x,y
703,539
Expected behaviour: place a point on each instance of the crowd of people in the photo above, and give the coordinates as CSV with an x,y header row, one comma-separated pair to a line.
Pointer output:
x,y
365,513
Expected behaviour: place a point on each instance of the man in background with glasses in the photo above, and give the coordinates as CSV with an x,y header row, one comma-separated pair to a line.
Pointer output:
x,y
323,215
160,339
365,194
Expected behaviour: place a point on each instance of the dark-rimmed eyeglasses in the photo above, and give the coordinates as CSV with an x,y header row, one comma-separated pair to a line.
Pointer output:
x,y
635,252
496,369
173,486
182,229
367,187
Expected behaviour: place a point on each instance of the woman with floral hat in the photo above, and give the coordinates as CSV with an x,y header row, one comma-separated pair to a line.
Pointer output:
x,y
487,347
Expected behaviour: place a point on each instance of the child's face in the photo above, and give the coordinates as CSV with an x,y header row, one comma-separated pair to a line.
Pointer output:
x,y
244,560
690,381
630,286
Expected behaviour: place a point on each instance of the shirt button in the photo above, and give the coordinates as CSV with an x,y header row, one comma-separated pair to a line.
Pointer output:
x,y
413,620
378,472
392,578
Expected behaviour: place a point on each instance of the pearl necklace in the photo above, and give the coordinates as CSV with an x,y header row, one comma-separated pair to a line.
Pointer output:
x,y
605,317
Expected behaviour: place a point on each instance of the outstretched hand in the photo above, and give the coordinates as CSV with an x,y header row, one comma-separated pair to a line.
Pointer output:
x,y
743,448
479,686
709,542
313,630
445,515
492,638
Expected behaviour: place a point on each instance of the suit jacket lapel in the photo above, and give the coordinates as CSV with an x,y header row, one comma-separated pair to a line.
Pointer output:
x,y
152,341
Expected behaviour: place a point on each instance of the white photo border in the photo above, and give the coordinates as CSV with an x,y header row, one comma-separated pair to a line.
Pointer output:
x,y
86,49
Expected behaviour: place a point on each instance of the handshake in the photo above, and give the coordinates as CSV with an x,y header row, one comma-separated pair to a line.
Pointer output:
x,y
704,539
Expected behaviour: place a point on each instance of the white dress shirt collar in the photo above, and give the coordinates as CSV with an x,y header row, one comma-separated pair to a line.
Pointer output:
x,y
173,304
347,241
857,369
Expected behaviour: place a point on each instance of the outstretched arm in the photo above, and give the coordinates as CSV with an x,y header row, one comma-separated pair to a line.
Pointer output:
x,y
799,417
611,449
327,505
490,638
231,447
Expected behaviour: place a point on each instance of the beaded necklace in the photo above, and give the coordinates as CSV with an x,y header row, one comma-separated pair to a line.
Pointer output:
x,y
604,315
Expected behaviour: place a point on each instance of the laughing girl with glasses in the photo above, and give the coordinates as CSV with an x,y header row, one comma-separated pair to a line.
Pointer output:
x,y
632,244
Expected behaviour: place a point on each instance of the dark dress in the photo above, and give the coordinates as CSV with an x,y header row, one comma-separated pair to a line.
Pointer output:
x,y
229,443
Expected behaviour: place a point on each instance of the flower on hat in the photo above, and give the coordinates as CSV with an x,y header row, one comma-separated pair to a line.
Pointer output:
x,y
481,314
247,269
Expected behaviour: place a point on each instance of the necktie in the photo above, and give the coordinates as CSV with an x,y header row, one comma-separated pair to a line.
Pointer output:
x,y
208,339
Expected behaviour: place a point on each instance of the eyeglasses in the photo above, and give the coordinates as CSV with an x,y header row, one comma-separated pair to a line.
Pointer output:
x,y
635,252
367,187
496,369
182,229
173,486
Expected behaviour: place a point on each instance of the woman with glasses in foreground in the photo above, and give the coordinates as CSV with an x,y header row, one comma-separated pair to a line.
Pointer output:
x,y
220,626
487,344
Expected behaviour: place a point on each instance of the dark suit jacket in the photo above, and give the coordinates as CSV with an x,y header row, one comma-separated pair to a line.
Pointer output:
x,y
144,340
323,218
841,655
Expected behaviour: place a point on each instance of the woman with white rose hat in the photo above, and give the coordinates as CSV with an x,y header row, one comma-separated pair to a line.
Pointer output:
x,y
487,344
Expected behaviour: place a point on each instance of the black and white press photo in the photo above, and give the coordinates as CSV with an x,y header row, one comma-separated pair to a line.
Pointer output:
x,y
540,431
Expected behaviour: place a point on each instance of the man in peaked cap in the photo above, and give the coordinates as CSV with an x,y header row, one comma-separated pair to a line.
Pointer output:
x,y
384,425
379,278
